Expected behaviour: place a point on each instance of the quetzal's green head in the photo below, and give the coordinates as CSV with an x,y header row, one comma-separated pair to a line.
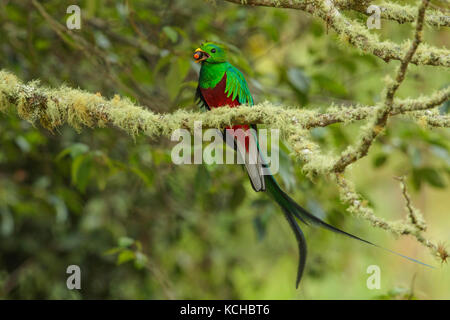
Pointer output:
x,y
210,52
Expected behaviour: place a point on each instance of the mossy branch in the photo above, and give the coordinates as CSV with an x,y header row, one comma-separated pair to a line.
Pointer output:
x,y
399,13
389,11
53,108
357,34
359,207
414,215
380,119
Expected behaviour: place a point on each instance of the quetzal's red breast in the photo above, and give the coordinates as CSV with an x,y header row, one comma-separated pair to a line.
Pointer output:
x,y
216,98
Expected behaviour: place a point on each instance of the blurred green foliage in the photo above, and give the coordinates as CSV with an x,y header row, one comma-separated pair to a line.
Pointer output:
x,y
140,226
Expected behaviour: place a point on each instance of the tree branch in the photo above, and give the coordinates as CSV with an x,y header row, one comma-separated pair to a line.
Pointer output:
x,y
404,13
414,214
389,11
54,107
356,34
354,153
359,207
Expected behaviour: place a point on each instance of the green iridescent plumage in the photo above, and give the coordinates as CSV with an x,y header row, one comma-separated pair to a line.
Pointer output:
x,y
237,86
216,67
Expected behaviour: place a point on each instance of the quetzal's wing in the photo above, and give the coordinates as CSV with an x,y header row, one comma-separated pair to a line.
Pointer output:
x,y
236,88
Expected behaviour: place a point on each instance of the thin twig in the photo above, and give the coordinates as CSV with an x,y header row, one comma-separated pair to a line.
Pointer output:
x,y
353,153
355,33
414,215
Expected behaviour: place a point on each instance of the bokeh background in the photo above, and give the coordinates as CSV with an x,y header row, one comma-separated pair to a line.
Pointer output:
x,y
141,227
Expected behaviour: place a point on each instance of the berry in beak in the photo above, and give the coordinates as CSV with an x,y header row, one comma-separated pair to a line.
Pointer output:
x,y
200,55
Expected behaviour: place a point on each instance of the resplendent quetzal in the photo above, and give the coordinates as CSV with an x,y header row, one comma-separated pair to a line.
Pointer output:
x,y
221,84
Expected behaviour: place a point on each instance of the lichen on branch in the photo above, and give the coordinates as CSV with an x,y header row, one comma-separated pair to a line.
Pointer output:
x,y
53,108
381,116
357,34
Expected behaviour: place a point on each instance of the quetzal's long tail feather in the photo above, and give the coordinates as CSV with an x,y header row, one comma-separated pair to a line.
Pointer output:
x,y
301,241
293,210
289,210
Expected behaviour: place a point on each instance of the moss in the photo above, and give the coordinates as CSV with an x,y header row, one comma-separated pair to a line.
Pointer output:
x,y
359,36
55,107
407,14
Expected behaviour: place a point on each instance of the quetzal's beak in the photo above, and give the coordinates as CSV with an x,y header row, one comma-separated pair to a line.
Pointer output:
x,y
200,55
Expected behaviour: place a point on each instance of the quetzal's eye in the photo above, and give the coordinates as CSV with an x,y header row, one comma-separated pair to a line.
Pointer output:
x,y
213,50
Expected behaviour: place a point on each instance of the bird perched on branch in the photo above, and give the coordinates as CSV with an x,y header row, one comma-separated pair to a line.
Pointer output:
x,y
223,85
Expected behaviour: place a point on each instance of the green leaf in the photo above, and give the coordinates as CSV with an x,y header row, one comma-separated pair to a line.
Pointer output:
x,y
171,33
140,260
125,242
81,171
125,256
74,150
433,177
379,160
429,175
